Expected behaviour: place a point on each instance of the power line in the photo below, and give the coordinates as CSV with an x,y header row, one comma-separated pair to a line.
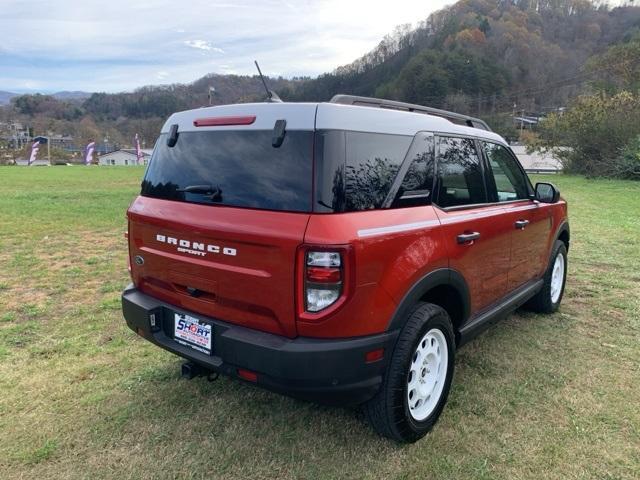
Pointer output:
x,y
500,98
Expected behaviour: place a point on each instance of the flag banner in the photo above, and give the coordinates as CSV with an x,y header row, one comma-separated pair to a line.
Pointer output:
x,y
139,156
88,153
34,151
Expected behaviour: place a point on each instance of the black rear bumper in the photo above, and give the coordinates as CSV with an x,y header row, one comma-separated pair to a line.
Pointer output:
x,y
324,371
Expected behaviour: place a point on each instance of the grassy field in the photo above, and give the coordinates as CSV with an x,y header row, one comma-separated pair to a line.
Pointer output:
x,y
81,396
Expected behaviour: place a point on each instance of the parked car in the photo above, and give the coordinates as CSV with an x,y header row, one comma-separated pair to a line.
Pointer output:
x,y
338,252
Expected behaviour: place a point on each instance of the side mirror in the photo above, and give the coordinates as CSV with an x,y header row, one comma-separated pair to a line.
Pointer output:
x,y
547,193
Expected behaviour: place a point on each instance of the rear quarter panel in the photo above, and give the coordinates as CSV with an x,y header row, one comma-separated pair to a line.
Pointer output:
x,y
393,249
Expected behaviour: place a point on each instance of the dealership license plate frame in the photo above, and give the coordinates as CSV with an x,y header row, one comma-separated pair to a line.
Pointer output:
x,y
193,333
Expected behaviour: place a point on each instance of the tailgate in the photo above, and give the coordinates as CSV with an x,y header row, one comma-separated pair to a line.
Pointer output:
x,y
234,264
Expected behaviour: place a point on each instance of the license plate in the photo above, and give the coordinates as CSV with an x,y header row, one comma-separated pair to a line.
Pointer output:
x,y
193,333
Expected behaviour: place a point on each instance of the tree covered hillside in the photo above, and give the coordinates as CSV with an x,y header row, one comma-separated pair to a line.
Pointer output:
x,y
482,56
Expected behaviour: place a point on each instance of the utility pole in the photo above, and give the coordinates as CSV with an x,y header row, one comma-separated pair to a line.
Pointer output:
x,y
48,139
513,115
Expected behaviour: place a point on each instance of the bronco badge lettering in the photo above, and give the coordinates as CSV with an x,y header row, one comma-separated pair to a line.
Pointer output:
x,y
195,248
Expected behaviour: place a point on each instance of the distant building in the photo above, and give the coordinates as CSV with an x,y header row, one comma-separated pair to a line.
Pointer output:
x,y
15,134
526,123
537,161
63,142
125,156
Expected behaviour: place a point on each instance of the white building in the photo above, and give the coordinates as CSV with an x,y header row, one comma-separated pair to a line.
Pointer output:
x,y
125,156
537,161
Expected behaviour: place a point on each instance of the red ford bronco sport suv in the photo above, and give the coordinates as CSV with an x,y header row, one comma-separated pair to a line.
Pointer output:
x,y
338,252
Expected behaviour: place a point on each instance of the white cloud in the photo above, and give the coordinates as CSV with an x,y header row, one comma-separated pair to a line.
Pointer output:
x,y
203,45
31,84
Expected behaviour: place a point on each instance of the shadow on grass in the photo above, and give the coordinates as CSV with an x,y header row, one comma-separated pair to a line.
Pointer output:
x,y
232,421
221,425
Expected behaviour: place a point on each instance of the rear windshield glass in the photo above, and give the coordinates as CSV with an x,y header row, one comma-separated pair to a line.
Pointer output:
x,y
237,168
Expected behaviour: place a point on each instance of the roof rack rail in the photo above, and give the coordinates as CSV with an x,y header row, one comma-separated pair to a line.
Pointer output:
x,y
410,107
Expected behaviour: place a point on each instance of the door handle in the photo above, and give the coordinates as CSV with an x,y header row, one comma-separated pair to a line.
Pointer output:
x,y
467,238
520,224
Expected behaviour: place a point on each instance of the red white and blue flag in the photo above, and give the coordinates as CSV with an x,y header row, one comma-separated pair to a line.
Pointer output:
x,y
139,156
88,153
34,151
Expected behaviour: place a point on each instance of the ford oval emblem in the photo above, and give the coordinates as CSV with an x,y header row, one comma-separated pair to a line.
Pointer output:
x,y
139,260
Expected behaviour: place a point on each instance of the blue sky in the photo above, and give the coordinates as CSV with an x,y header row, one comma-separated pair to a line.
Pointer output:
x,y
117,45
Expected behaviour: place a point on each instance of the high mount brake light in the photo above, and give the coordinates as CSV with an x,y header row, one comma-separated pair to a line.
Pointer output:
x,y
322,280
224,121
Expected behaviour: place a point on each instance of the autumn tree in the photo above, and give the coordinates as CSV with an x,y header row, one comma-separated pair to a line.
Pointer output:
x,y
618,68
592,136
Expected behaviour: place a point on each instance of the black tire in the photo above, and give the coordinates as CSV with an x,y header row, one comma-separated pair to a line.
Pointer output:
x,y
388,412
542,302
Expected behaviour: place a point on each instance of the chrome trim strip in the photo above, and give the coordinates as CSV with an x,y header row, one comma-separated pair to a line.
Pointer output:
x,y
404,227
471,216
523,208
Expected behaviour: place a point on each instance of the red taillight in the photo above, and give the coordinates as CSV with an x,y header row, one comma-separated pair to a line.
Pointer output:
x,y
247,375
126,236
223,121
324,274
323,279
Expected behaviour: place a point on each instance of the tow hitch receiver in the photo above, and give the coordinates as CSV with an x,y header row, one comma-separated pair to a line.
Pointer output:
x,y
192,370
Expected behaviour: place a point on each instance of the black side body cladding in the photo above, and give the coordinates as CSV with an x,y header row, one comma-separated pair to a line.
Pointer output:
x,y
468,328
436,278
564,229
494,314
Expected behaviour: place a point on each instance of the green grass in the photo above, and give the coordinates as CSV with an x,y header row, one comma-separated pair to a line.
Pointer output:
x,y
81,396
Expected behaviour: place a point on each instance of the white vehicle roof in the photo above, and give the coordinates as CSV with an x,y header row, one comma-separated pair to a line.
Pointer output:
x,y
324,116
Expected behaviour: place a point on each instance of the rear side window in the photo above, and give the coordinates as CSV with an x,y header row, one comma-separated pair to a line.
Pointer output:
x,y
373,161
510,181
237,168
416,185
354,170
460,180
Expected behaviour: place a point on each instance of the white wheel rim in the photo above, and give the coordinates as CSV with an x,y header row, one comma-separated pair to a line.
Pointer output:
x,y
427,374
557,278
